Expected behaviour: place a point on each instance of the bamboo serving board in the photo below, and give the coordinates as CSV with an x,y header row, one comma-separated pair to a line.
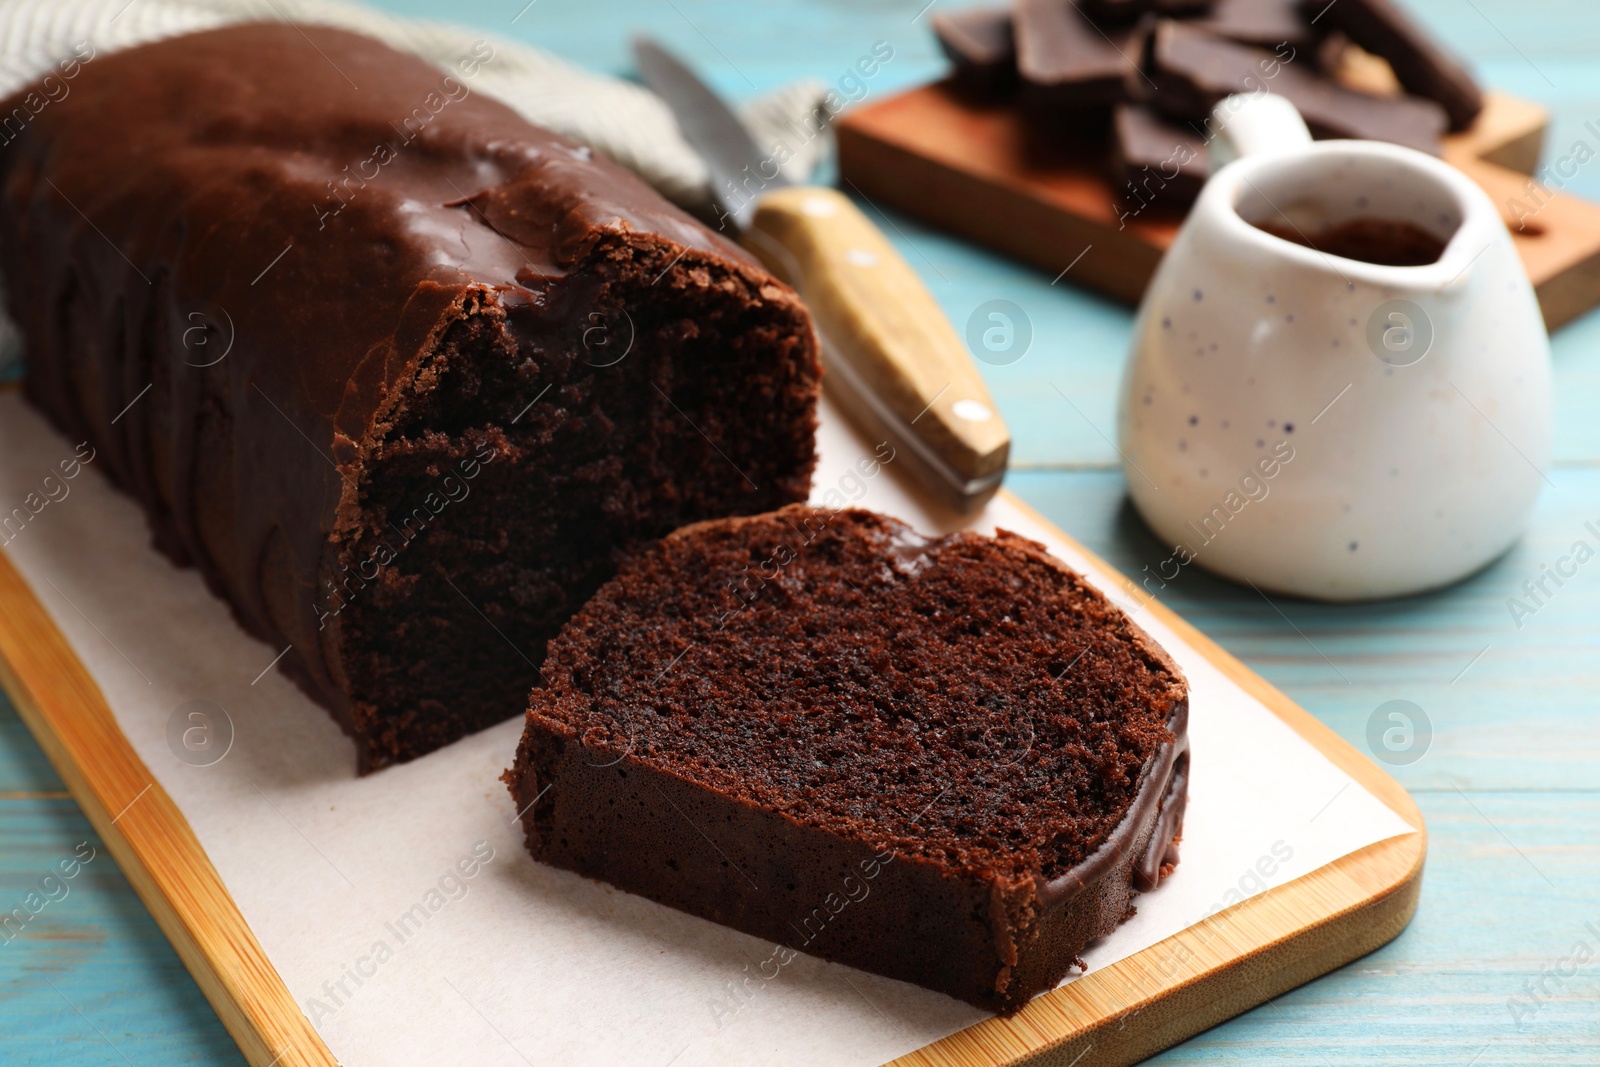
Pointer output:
x,y
1117,1015
978,170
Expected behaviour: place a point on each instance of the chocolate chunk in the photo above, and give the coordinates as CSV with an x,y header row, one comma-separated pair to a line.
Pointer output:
x,y
1157,163
1259,22
1422,64
979,41
1193,70
1065,59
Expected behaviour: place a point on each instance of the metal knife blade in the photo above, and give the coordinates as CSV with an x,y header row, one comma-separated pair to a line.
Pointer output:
x,y
740,171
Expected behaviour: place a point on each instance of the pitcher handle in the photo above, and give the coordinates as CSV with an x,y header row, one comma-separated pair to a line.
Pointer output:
x,y
1249,124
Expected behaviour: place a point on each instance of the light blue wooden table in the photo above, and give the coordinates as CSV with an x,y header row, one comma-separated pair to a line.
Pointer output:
x,y
1510,785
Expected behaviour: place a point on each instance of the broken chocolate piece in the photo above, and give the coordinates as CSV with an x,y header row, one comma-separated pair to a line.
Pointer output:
x,y
1265,23
1157,163
1065,59
979,41
1422,65
1193,70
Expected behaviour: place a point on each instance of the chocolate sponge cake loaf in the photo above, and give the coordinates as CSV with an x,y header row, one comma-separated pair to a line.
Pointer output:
x,y
948,761
401,374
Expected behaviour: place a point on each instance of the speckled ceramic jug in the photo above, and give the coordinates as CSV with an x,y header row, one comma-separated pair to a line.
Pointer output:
x,y
1324,426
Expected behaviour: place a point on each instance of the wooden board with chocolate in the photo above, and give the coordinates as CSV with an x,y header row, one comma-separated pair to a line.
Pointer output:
x,y
1101,182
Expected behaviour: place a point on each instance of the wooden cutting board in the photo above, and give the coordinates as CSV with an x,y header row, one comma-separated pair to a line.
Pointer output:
x,y
1117,1015
980,171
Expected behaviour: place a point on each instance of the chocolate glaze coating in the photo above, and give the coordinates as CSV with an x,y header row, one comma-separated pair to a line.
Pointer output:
x,y
232,255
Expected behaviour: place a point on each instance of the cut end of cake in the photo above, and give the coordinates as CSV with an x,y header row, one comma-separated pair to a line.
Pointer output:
x,y
533,449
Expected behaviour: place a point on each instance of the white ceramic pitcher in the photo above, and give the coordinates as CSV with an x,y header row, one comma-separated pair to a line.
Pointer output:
x,y
1324,426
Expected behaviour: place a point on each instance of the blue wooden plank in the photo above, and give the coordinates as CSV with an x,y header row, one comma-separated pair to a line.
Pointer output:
x,y
23,767
1500,967
89,978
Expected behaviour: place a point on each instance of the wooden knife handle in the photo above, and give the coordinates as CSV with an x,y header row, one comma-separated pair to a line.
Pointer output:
x,y
875,316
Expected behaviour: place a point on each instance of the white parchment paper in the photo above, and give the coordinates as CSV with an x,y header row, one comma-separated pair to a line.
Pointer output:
x,y
359,890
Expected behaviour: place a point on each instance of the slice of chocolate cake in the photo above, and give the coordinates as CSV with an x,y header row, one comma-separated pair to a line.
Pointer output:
x,y
401,374
952,762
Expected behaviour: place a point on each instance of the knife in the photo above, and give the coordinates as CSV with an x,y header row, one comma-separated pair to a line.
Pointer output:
x,y
894,363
